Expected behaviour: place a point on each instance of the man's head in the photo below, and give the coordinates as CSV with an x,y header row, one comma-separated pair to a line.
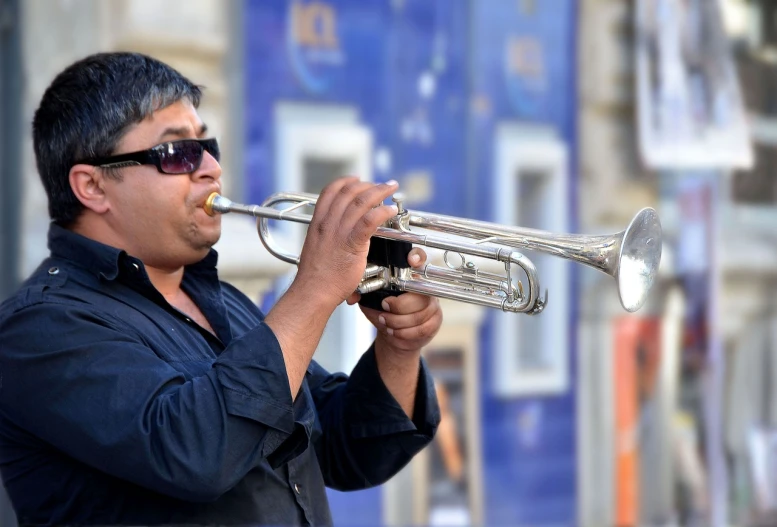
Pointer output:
x,y
121,103
89,107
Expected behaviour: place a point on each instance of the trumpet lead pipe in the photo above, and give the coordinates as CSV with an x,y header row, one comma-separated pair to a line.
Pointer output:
x,y
217,204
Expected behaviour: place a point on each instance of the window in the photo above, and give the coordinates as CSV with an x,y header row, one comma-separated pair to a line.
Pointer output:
x,y
318,173
759,185
314,145
767,15
757,69
533,188
530,190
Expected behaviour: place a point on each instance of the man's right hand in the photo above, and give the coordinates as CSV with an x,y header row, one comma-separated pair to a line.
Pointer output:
x,y
332,263
334,255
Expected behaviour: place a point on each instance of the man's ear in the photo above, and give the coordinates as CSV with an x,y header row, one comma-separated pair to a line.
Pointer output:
x,y
87,183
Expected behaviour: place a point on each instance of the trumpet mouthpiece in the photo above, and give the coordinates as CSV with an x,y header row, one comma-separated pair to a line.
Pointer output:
x,y
216,204
209,204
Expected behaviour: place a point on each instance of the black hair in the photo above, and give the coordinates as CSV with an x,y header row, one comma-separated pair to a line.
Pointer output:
x,y
86,111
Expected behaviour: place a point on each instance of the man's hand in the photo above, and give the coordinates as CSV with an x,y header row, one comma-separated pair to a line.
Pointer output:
x,y
409,321
334,255
332,263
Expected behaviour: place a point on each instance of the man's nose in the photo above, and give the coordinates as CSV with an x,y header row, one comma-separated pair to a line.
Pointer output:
x,y
209,168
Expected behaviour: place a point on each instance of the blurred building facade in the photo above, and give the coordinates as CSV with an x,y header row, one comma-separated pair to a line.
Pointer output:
x,y
692,465
516,111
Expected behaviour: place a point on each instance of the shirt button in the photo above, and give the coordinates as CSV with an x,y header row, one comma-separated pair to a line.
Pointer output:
x,y
296,489
54,270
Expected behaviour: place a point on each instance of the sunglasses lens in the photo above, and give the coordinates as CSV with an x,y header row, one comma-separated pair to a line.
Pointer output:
x,y
212,147
181,157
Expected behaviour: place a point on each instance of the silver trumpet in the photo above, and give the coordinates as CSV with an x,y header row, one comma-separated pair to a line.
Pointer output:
x,y
631,256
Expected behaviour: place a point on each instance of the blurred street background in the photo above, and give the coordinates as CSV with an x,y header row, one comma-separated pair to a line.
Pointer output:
x,y
563,115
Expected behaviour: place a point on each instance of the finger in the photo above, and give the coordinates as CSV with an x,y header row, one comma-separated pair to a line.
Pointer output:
x,y
367,225
377,319
416,258
372,315
329,193
425,331
406,303
368,198
353,298
345,197
395,322
409,320
327,216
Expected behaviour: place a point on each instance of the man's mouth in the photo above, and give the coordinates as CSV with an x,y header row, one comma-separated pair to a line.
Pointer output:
x,y
204,198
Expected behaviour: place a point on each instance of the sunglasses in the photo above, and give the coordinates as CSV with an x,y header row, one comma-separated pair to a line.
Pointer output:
x,y
175,157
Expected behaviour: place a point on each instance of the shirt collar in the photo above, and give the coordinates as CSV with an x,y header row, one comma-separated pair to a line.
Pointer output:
x,y
104,260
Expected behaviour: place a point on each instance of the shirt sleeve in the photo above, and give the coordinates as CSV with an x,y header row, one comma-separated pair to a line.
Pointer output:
x,y
102,396
365,435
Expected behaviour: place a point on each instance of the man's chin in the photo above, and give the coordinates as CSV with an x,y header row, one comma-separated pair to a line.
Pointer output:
x,y
211,233
211,239
203,240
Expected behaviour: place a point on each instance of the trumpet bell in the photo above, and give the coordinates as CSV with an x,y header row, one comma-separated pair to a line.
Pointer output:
x,y
639,258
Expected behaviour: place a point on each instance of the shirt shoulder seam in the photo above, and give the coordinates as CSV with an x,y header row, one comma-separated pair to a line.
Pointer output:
x,y
92,310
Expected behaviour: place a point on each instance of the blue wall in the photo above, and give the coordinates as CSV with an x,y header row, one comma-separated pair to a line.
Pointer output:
x,y
382,50
381,53
528,481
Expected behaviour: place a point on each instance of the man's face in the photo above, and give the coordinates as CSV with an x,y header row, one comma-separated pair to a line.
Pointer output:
x,y
159,217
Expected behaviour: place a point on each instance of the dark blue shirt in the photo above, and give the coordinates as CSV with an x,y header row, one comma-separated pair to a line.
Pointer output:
x,y
117,408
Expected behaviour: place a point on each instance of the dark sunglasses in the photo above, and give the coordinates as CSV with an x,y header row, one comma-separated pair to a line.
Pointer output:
x,y
174,157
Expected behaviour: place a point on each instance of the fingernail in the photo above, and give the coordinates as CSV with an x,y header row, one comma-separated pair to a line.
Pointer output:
x,y
382,320
391,182
414,258
395,209
385,306
389,331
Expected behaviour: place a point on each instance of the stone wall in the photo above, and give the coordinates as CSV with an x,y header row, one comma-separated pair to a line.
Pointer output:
x,y
197,37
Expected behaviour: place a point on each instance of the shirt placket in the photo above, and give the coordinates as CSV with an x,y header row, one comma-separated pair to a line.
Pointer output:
x,y
301,495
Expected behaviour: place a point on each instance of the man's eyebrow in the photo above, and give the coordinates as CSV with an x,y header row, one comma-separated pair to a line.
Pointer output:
x,y
183,132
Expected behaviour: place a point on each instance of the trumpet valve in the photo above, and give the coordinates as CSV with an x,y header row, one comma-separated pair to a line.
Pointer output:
x,y
372,285
399,199
372,271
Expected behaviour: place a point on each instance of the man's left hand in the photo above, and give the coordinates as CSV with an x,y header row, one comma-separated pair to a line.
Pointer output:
x,y
409,321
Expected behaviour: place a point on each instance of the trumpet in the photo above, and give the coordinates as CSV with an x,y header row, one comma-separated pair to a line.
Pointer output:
x,y
631,256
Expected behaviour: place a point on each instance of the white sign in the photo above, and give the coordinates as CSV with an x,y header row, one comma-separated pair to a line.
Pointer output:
x,y
690,109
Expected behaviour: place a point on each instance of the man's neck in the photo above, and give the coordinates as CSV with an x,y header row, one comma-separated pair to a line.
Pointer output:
x,y
166,280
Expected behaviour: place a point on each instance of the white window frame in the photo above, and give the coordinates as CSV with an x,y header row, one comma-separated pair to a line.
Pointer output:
x,y
519,148
333,134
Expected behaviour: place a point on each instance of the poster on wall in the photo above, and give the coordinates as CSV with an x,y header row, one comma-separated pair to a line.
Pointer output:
x,y
689,105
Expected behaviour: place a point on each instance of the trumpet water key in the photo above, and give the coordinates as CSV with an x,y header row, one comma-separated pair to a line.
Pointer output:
x,y
631,256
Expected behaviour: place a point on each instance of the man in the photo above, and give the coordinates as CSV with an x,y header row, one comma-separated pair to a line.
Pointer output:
x,y
137,388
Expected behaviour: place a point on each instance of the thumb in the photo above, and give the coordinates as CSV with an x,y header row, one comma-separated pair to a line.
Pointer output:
x,y
353,298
